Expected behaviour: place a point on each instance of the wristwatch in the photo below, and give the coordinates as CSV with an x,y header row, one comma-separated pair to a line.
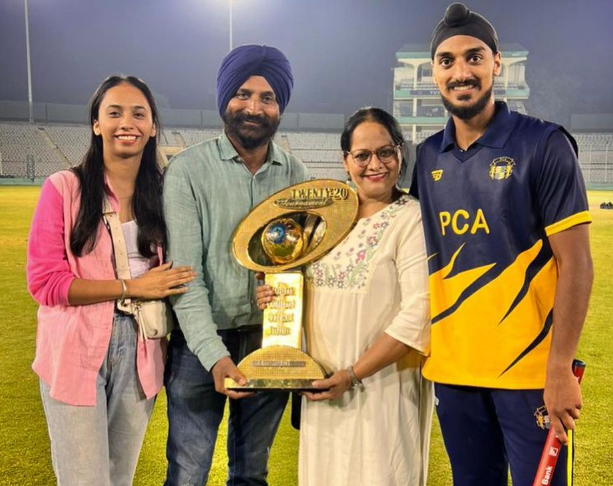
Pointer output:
x,y
356,383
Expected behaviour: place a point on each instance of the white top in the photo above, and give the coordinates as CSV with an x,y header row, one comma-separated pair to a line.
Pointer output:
x,y
374,281
138,263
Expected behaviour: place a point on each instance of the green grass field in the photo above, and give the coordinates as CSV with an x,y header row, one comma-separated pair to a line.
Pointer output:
x,y
25,458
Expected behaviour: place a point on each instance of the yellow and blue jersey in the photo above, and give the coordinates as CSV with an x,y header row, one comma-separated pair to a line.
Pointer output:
x,y
488,213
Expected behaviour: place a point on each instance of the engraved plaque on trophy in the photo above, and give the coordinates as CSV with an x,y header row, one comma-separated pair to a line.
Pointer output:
x,y
291,228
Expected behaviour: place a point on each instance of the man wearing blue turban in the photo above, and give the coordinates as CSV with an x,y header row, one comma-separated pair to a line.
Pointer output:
x,y
208,189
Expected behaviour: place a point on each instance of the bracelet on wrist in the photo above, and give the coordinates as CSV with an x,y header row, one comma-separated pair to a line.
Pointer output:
x,y
124,289
356,383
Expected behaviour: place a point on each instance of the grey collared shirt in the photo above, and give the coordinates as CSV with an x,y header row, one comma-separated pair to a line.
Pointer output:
x,y
207,191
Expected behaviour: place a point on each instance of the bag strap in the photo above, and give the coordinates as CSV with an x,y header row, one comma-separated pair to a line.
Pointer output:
x,y
111,218
122,267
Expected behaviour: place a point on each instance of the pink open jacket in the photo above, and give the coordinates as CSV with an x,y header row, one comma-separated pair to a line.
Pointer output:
x,y
72,341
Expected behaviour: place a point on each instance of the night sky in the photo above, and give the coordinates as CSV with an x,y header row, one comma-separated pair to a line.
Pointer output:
x,y
342,51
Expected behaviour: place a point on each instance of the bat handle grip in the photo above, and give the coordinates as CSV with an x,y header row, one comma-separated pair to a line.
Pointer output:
x,y
578,369
552,447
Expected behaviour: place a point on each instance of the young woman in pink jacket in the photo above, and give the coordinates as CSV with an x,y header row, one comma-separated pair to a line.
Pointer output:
x,y
98,377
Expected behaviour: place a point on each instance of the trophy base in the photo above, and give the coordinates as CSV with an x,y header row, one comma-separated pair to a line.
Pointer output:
x,y
277,368
272,385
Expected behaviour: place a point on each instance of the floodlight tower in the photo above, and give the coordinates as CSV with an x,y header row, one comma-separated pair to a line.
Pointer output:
x,y
230,5
30,110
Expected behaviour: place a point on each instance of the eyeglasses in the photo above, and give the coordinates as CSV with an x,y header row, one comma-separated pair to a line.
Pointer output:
x,y
386,154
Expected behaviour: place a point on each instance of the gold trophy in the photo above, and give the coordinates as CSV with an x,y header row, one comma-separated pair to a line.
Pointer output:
x,y
291,228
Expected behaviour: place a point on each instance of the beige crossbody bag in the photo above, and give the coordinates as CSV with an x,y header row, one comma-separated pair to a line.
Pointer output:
x,y
154,317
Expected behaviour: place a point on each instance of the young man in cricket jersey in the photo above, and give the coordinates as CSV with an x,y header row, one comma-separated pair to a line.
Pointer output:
x,y
506,219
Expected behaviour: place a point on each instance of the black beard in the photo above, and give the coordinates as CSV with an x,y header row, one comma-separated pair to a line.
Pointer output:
x,y
250,137
468,112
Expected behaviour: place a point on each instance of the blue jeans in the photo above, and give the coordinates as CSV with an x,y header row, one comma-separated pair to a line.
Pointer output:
x,y
99,445
195,411
487,430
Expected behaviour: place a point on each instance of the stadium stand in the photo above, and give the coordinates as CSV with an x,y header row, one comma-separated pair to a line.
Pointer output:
x,y
18,141
594,141
71,140
596,157
191,137
313,140
54,147
420,136
416,100
319,151
313,155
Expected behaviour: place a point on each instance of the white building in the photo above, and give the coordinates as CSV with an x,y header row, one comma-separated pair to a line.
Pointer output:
x,y
417,102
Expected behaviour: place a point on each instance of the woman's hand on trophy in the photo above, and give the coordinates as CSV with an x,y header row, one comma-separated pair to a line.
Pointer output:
x,y
264,295
332,388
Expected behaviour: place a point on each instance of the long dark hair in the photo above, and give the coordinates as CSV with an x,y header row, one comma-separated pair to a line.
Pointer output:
x,y
376,115
147,198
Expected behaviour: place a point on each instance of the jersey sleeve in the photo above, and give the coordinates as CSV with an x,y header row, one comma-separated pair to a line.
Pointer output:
x,y
561,194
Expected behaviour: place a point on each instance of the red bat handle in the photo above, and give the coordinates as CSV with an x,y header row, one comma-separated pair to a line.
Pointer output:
x,y
552,448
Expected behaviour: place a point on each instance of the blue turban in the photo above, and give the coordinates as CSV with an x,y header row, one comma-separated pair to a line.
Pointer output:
x,y
254,60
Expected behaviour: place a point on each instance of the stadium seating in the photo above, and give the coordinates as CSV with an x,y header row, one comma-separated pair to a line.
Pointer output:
x,y
56,146
192,137
594,141
313,140
71,140
421,136
19,141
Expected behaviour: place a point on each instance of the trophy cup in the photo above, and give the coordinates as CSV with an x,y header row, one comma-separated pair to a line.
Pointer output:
x,y
291,228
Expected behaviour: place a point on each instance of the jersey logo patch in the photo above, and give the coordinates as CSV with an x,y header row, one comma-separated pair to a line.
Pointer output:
x,y
501,168
542,418
437,175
